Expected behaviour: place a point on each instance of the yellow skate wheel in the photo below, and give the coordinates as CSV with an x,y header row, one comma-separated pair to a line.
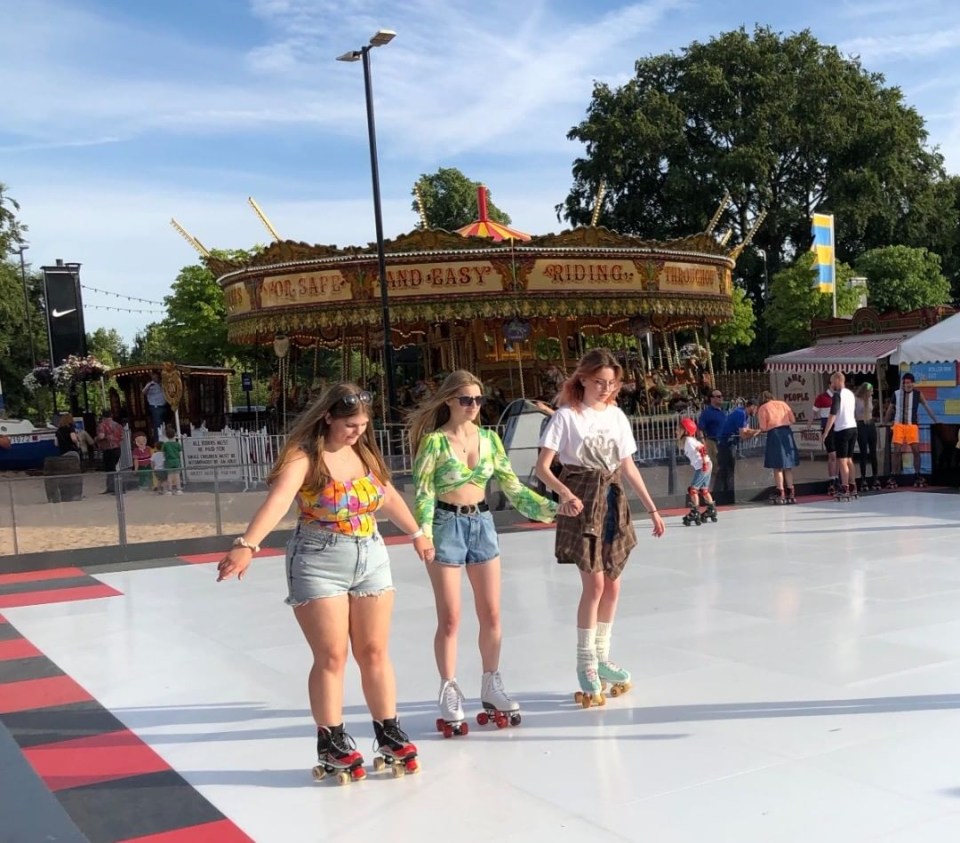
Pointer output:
x,y
600,699
578,697
398,770
343,778
378,764
319,774
585,700
614,690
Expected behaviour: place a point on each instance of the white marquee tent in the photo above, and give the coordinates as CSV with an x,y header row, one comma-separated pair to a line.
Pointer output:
x,y
939,343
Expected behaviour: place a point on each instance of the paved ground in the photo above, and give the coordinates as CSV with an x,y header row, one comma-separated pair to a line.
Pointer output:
x,y
796,679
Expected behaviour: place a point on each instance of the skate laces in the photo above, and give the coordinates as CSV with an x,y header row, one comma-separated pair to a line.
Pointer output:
x,y
450,694
392,736
496,685
342,743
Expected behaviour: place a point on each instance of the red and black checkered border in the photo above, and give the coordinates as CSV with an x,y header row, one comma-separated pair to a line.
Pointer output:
x,y
112,785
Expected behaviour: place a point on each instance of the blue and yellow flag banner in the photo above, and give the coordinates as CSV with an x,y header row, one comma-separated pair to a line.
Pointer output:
x,y
824,262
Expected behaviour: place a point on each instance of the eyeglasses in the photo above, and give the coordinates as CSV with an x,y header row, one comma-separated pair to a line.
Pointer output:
x,y
601,384
355,399
467,400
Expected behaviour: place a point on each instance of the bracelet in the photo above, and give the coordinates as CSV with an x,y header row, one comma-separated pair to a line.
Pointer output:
x,y
240,541
417,534
652,511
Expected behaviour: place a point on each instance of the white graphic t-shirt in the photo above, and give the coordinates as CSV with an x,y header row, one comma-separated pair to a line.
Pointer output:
x,y
590,438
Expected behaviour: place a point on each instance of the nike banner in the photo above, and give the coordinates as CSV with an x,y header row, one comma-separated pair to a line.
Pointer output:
x,y
61,292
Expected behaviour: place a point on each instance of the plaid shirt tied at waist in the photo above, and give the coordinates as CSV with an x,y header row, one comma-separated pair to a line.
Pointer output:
x,y
579,538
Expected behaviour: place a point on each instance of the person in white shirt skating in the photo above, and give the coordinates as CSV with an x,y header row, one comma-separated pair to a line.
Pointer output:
x,y
695,451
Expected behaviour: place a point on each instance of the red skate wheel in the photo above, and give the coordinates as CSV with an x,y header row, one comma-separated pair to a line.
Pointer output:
x,y
447,730
464,728
412,765
483,718
440,724
501,721
358,773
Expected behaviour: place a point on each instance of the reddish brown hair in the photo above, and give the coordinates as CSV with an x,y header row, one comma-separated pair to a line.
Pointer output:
x,y
571,393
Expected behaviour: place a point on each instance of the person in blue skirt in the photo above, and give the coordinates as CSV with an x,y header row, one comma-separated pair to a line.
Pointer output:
x,y
775,418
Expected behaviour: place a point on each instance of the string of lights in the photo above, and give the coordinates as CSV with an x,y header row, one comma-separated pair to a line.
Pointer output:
x,y
120,295
122,309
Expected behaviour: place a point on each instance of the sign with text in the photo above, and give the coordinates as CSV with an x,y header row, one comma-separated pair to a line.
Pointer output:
x,y
237,298
689,278
799,390
932,374
442,278
598,276
202,453
304,288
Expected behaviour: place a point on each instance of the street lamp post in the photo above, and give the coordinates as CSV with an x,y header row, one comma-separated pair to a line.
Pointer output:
x,y
382,37
26,305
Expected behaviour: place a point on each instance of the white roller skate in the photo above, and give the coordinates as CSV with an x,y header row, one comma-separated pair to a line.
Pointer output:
x,y
614,676
497,705
591,691
451,720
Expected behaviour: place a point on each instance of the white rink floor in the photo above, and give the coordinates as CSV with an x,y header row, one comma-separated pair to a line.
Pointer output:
x,y
796,670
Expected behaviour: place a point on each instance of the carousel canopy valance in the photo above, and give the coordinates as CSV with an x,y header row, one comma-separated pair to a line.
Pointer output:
x,y
853,355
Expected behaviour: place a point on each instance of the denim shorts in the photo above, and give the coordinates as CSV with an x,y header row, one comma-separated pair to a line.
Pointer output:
x,y
464,539
322,563
701,479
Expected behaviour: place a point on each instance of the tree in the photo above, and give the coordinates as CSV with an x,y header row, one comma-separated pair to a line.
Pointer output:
x,y
151,345
195,326
11,229
15,326
108,347
786,125
795,301
740,330
901,278
450,200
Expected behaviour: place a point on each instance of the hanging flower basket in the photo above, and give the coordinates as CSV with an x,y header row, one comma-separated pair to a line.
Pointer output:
x,y
80,370
42,376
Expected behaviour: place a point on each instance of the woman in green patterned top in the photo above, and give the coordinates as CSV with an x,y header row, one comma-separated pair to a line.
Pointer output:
x,y
455,458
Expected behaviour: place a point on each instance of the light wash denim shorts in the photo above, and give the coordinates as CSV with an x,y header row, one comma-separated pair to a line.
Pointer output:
x,y
322,563
464,539
701,479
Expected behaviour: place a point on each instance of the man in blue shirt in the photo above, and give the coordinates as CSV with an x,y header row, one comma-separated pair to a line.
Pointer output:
x,y
735,427
711,421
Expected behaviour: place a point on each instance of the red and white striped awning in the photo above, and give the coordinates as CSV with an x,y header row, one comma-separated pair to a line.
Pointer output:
x,y
852,355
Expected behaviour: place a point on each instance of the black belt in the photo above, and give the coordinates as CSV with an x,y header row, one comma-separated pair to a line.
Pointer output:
x,y
463,509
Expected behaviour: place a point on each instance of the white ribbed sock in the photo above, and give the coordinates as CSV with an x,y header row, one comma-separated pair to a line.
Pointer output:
x,y
603,641
586,648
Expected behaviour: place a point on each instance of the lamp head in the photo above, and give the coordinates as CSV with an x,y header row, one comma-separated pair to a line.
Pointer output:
x,y
382,37
353,55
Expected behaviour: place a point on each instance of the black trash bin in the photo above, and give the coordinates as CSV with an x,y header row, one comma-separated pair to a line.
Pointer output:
x,y
62,479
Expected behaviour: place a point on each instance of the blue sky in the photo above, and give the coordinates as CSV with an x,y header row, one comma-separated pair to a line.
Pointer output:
x,y
118,114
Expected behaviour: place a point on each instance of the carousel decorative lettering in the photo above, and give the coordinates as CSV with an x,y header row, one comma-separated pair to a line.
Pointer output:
x,y
283,290
428,279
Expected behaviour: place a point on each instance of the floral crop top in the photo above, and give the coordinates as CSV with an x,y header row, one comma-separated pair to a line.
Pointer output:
x,y
437,470
346,507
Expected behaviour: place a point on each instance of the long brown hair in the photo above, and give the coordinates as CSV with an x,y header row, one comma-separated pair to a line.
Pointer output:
x,y
310,430
571,393
432,413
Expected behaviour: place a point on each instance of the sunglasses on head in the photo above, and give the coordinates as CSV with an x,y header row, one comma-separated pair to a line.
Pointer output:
x,y
467,400
355,399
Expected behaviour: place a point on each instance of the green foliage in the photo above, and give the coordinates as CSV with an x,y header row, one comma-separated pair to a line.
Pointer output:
x,y
17,324
108,347
901,278
740,330
795,301
785,124
450,200
11,229
152,345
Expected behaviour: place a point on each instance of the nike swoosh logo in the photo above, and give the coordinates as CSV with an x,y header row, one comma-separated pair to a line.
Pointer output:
x,y
58,313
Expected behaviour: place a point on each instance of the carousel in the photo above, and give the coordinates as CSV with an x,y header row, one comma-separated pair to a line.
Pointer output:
x,y
515,309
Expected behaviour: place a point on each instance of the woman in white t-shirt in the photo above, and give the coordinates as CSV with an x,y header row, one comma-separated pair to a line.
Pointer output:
x,y
595,443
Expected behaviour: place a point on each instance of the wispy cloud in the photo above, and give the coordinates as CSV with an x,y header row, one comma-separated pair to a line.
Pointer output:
x,y
903,45
67,144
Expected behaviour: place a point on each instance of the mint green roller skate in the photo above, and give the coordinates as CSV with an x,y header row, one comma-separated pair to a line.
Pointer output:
x,y
614,676
591,691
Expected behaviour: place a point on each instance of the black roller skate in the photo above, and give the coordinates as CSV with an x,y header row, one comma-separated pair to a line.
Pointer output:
x,y
778,497
877,486
919,482
852,492
692,517
832,489
892,482
337,756
790,497
394,748
709,513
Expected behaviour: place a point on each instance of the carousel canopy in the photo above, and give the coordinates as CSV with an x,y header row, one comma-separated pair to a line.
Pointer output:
x,y
483,226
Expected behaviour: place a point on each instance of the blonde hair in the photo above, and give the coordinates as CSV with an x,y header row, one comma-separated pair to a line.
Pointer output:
x,y
571,393
432,413
66,420
309,433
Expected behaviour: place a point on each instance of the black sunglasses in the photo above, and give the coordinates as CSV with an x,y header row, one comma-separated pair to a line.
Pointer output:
x,y
720,395
355,399
467,400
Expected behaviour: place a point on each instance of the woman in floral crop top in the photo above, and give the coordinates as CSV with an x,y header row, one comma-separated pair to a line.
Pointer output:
x,y
338,572
455,458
